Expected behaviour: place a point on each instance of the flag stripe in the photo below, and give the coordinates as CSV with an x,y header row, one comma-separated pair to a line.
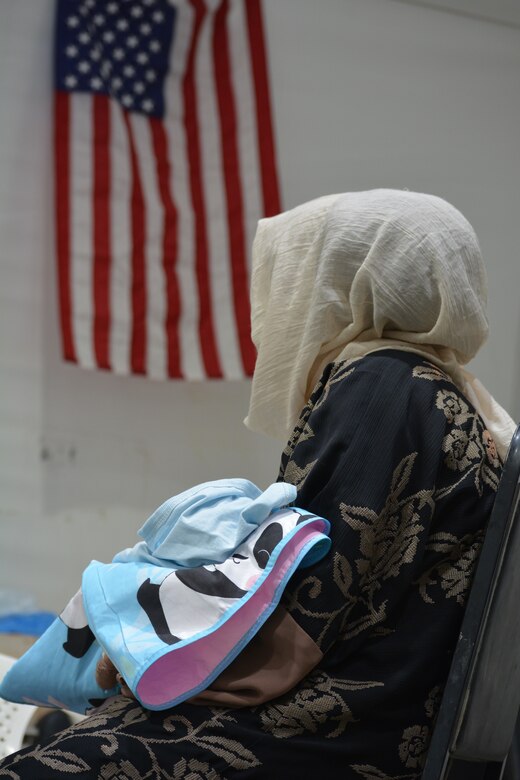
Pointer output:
x,y
191,361
81,227
138,338
62,198
266,146
206,328
234,200
242,77
156,305
212,164
169,246
101,229
120,287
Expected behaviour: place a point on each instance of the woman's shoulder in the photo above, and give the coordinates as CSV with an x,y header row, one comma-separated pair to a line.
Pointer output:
x,y
385,373
405,364
396,382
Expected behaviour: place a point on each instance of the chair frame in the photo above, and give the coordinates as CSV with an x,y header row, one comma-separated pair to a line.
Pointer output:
x,y
464,744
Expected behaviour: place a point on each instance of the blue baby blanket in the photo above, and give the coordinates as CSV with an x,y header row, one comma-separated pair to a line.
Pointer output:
x,y
176,609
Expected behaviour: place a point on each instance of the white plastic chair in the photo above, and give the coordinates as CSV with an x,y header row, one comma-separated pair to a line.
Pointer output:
x,y
14,718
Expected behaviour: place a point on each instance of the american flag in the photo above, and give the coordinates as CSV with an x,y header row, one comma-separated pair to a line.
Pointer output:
x,y
164,162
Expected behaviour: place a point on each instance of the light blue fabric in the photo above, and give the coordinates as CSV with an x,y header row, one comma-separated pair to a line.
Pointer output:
x,y
206,523
227,541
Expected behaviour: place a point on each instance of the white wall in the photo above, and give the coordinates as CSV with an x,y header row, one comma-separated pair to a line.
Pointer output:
x,y
367,93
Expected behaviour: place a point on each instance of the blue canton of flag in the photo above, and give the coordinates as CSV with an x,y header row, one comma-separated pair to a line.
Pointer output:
x,y
120,49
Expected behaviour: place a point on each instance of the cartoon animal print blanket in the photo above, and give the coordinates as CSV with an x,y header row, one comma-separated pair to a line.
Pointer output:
x,y
176,609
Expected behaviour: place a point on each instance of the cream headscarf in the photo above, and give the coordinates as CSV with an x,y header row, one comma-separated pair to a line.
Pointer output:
x,y
344,275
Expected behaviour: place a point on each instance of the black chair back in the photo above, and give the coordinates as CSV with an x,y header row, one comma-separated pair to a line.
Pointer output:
x,y
481,700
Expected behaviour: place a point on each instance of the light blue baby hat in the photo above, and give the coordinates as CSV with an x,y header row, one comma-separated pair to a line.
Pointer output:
x,y
206,523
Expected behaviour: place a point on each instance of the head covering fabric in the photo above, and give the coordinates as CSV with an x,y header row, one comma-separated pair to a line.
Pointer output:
x,y
347,274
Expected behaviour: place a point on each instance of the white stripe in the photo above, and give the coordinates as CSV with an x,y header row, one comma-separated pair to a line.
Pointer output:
x,y
156,290
81,250
220,280
192,366
121,240
249,155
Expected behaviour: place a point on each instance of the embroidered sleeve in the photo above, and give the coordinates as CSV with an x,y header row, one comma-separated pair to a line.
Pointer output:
x,y
383,453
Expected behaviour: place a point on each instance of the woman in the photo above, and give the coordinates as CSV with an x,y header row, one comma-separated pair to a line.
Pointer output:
x,y
365,306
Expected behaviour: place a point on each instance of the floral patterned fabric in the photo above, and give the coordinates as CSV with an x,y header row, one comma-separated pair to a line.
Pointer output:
x,y
392,454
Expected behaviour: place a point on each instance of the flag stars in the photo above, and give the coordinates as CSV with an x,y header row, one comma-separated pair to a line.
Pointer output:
x,y
116,47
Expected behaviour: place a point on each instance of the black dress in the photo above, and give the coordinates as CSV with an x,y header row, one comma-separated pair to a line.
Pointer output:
x,y
397,459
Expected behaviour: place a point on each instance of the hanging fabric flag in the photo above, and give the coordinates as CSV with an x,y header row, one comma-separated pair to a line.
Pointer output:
x,y
164,162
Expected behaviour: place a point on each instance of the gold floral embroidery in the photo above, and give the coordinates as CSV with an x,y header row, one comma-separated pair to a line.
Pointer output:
x,y
389,540
308,591
369,772
296,475
116,719
340,371
412,750
194,770
454,572
455,409
319,706
430,372
181,729
124,770
433,702
491,449
302,432
467,450
461,450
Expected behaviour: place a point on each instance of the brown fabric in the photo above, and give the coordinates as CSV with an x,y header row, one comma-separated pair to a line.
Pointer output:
x,y
277,658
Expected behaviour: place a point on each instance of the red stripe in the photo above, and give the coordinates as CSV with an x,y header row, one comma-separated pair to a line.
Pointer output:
x,y
169,246
233,184
191,123
62,199
264,121
101,229
138,339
